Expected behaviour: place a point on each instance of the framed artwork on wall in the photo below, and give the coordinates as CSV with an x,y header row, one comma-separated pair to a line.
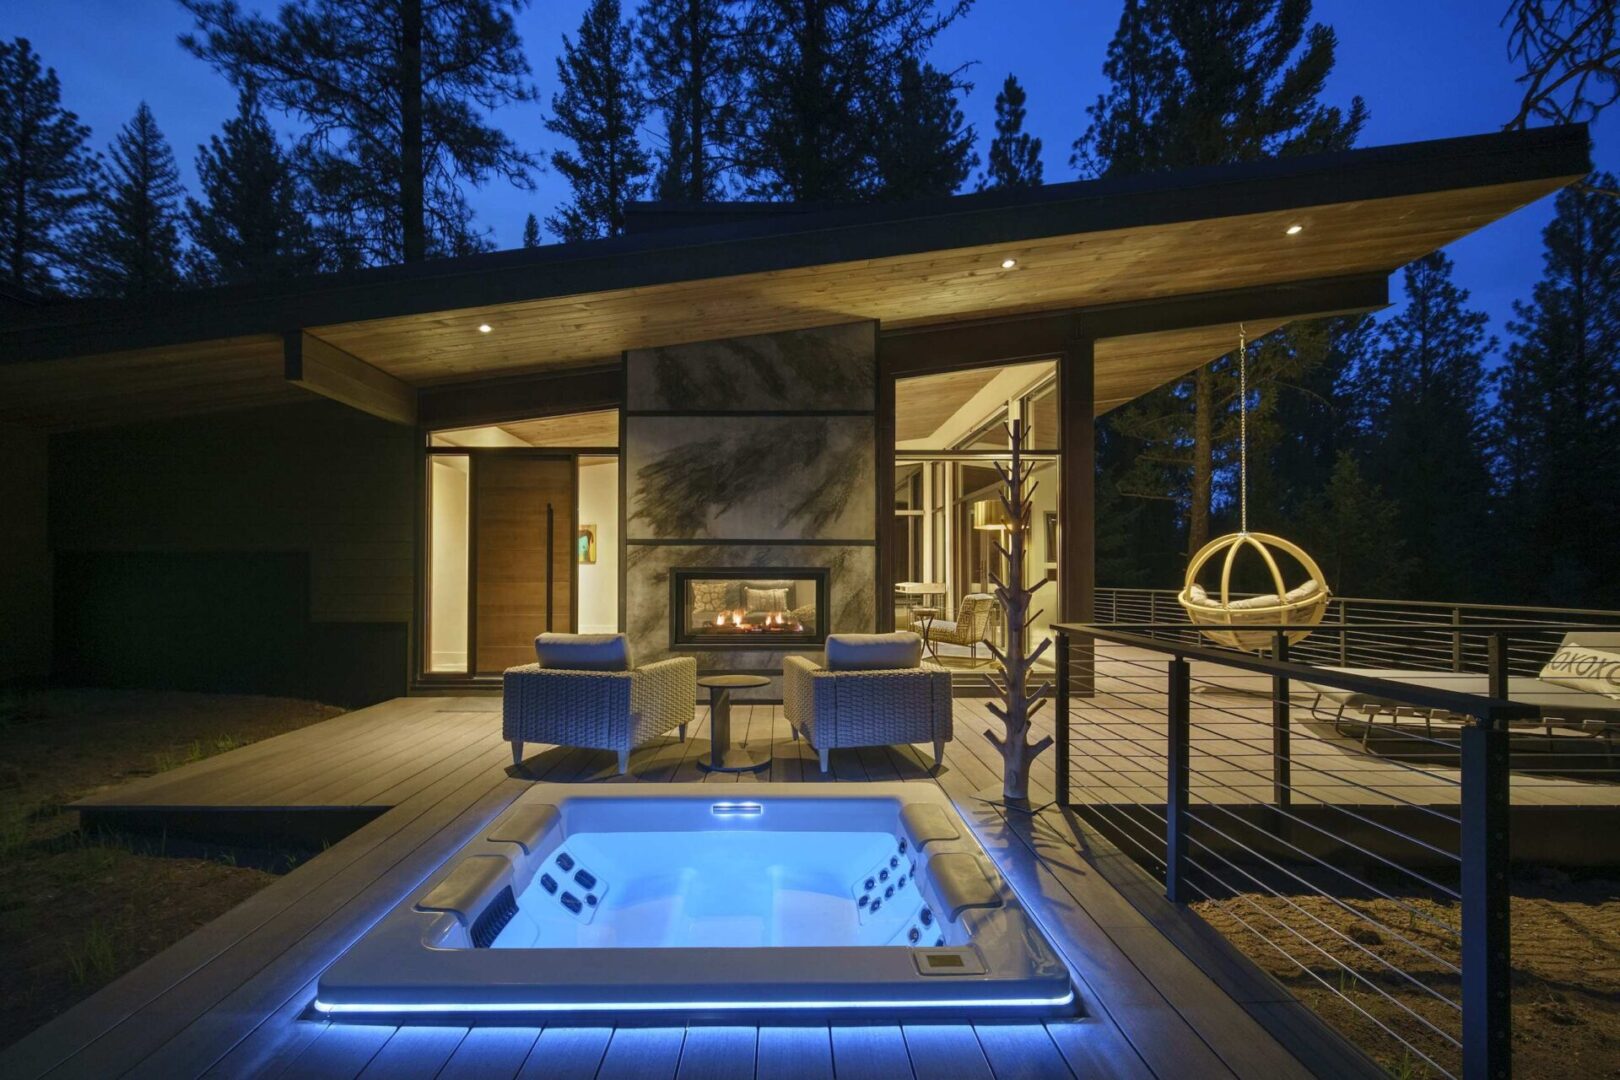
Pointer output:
x,y
587,543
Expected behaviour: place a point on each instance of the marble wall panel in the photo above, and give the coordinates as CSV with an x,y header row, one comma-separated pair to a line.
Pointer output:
x,y
828,368
749,477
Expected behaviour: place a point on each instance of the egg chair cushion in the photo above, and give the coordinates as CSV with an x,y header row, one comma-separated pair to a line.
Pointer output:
x,y
1249,603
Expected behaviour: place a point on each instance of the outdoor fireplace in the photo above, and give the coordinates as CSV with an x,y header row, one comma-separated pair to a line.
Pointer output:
x,y
747,608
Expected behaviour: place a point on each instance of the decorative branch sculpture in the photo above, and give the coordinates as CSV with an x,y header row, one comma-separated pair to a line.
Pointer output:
x,y
1019,703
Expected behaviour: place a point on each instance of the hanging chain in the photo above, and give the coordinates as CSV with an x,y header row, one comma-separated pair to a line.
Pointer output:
x,y
1243,429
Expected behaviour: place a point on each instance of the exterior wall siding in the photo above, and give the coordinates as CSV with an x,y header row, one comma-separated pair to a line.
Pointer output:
x,y
332,488
25,580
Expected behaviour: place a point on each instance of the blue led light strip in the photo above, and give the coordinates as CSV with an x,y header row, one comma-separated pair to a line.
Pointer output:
x,y
680,1006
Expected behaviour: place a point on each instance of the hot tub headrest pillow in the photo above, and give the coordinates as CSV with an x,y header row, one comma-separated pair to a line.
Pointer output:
x,y
873,652
583,652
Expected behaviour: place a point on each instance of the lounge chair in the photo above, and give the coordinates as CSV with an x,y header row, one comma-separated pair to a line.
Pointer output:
x,y
1559,706
584,692
872,690
971,625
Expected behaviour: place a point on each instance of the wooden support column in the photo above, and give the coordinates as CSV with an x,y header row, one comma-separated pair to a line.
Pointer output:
x,y
884,528
1077,501
325,369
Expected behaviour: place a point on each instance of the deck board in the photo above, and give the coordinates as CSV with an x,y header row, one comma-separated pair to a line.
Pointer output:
x,y
946,1052
231,999
870,1052
414,1053
793,1053
567,1053
642,1053
490,1053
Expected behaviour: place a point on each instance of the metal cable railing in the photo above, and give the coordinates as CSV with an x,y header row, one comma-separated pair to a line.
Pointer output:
x,y
1422,633
1350,824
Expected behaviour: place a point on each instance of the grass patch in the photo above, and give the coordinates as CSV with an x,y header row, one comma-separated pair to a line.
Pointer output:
x,y
83,908
93,958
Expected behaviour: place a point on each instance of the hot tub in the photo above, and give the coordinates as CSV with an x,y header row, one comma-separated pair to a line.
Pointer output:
x,y
709,901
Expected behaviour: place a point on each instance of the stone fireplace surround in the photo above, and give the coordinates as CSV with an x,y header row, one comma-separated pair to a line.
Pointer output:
x,y
751,455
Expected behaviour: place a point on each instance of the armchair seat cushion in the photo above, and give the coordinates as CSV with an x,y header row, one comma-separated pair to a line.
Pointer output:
x,y
873,652
938,626
583,652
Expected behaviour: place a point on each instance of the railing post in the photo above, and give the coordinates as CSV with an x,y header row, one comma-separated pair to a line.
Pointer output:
x,y
1177,775
1282,779
1456,639
1496,661
1061,762
1344,633
1487,970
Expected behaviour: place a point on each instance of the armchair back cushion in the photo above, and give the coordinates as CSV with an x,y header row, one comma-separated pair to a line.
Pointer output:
x,y
873,652
583,652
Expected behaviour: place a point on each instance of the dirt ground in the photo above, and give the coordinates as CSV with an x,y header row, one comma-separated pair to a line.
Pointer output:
x,y
80,910
1566,963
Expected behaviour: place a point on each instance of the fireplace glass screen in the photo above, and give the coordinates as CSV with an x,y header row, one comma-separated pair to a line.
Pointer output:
x,y
748,608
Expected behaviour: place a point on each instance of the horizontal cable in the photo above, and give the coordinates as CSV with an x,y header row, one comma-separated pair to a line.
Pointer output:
x,y
1336,961
1416,913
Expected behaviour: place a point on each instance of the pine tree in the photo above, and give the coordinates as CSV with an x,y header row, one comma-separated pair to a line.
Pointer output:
x,y
531,232
1559,412
1318,416
252,226
691,66
1015,155
1354,531
46,172
393,97
927,146
821,74
598,110
131,243
1425,393
1192,84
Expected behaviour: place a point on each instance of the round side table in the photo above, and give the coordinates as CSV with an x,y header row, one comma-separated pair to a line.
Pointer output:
x,y
723,757
926,616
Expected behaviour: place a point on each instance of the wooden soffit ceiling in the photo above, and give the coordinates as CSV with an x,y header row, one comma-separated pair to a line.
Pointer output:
x,y
1136,264
1075,246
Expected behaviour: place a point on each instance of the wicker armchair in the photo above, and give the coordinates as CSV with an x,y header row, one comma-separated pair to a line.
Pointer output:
x,y
599,710
880,707
971,625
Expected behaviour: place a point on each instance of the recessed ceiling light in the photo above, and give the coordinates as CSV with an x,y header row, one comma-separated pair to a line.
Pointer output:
x,y
1294,230
1008,264
484,328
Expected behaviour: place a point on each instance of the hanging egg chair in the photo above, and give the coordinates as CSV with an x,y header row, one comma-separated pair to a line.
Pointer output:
x,y
1218,616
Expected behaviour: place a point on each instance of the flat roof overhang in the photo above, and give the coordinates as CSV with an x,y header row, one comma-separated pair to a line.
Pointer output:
x,y
1102,244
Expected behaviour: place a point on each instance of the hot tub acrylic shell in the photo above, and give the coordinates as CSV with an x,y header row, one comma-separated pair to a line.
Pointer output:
x,y
430,957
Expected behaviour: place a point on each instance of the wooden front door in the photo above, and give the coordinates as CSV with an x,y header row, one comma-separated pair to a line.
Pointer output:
x,y
514,596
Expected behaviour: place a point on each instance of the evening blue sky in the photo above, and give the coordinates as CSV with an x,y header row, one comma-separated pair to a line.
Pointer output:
x,y
1427,69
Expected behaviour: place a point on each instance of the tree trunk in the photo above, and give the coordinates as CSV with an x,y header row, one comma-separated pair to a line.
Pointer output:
x,y
412,170
695,73
1203,458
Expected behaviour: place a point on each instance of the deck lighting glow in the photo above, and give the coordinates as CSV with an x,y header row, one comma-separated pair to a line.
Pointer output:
x,y
484,328
1008,264
330,1008
1294,230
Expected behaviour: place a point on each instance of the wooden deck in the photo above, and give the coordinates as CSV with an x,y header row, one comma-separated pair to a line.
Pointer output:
x,y
231,999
